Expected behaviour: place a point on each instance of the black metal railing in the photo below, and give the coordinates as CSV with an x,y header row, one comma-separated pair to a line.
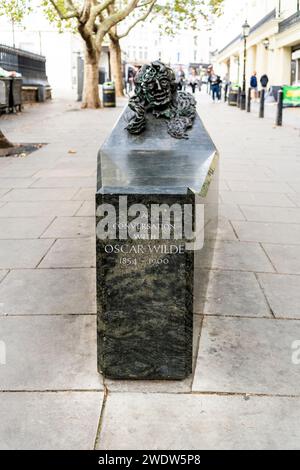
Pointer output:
x,y
31,66
289,22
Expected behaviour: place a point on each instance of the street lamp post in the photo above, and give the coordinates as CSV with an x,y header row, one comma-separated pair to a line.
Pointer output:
x,y
246,32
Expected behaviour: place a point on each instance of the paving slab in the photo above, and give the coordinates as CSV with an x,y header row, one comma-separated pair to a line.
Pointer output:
x,y
247,355
232,293
15,172
69,171
49,353
259,186
256,199
85,194
231,212
268,232
39,209
88,209
48,292
233,255
137,421
22,195
71,227
8,183
71,253
49,421
64,182
271,214
285,258
19,228
283,294
18,254
224,232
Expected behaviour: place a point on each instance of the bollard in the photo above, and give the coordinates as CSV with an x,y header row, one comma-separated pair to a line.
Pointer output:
x,y
239,97
225,93
249,101
262,104
243,101
279,108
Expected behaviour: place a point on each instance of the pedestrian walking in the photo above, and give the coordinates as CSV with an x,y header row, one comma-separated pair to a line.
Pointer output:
x,y
215,81
254,86
180,78
193,80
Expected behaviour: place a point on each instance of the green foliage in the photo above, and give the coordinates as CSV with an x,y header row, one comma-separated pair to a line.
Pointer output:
x,y
53,17
185,14
15,10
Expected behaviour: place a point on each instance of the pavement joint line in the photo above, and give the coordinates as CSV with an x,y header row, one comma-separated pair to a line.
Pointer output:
x,y
25,315
63,390
101,417
228,315
194,393
8,271
71,268
236,270
52,220
234,231
77,210
43,257
288,196
267,255
245,394
268,222
248,317
195,356
53,238
265,296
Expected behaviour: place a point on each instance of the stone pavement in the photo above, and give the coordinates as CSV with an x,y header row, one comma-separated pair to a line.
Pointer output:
x,y
291,116
245,391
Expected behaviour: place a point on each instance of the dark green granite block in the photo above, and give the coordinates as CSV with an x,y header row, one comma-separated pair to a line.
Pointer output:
x,y
144,286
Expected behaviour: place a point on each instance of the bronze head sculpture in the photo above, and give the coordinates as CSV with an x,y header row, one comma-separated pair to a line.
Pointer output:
x,y
156,92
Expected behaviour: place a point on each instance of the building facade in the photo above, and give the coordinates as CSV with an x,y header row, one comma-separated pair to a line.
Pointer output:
x,y
145,43
273,46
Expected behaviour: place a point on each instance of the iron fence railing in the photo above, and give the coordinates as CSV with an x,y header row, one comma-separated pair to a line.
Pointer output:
x,y
31,66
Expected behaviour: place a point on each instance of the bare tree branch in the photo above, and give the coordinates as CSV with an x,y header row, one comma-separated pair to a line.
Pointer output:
x,y
118,16
63,15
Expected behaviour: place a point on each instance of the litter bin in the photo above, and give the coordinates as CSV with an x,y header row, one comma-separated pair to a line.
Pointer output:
x,y
109,95
4,94
16,94
233,95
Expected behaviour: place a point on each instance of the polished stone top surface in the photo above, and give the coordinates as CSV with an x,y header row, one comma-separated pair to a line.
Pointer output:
x,y
153,162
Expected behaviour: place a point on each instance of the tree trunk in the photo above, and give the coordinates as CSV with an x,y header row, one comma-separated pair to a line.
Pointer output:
x,y
91,80
116,66
4,143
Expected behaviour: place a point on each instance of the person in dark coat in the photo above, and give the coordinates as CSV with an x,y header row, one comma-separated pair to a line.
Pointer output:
x,y
254,86
264,81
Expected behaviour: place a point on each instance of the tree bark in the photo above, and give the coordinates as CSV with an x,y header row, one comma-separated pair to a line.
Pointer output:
x,y
91,97
4,143
116,65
